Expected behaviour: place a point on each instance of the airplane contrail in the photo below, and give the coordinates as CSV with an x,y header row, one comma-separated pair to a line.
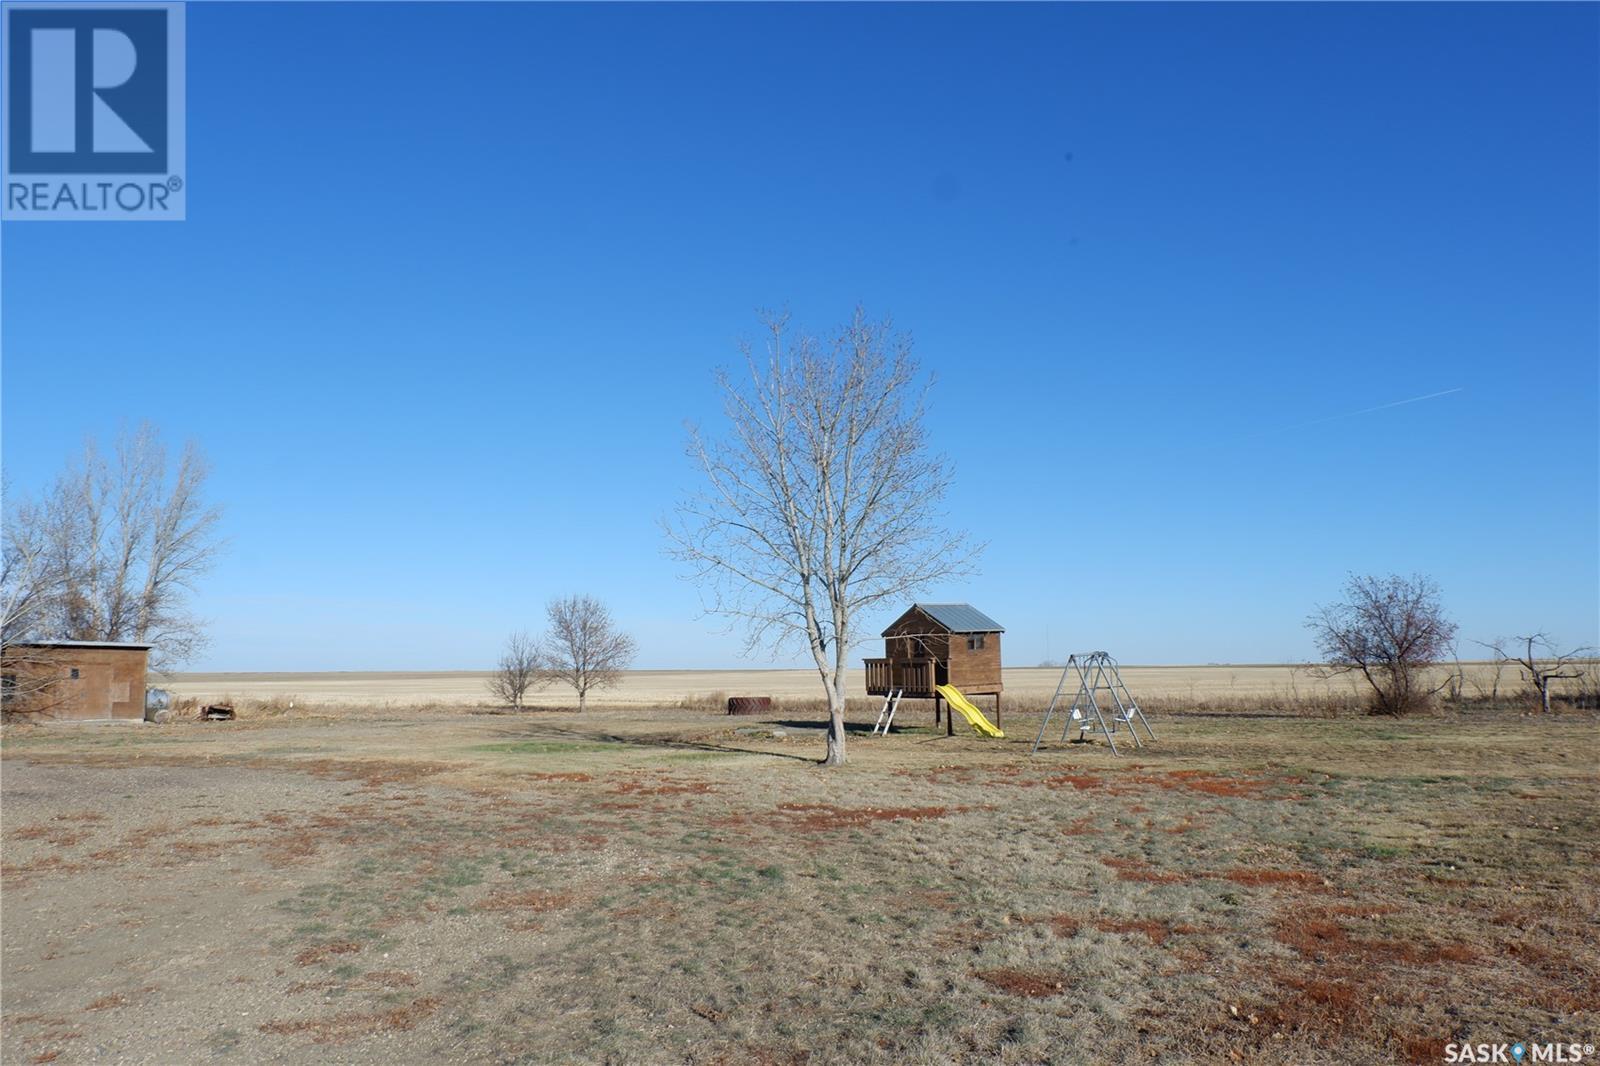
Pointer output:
x,y
1380,407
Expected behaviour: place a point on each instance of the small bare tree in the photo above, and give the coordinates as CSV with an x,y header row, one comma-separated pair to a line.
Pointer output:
x,y
823,500
521,667
583,647
119,543
1541,664
1389,630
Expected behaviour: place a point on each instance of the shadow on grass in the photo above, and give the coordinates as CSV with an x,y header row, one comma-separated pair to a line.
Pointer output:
x,y
812,725
594,740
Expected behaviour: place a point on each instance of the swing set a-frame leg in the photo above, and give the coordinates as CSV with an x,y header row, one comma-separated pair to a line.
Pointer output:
x,y
1096,672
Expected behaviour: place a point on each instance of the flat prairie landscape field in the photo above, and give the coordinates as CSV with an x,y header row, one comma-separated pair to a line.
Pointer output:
x,y
653,688
664,885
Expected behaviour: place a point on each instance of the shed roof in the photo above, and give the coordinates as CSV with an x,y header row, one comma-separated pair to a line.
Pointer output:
x,y
958,618
81,644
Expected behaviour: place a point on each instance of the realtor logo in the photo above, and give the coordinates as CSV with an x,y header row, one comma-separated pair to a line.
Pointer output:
x,y
93,122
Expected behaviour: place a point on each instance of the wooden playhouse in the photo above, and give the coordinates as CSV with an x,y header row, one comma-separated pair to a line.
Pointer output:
x,y
935,644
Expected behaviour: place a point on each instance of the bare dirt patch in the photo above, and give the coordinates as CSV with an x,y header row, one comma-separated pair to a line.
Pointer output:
x,y
1139,870
1246,876
60,836
533,902
347,1026
1027,983
323,952
820,817
1157,931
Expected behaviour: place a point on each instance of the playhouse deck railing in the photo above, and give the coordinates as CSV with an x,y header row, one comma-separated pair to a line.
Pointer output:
x,y
914,677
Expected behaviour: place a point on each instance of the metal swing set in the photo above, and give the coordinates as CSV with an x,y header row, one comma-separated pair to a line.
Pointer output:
x,y
1097,673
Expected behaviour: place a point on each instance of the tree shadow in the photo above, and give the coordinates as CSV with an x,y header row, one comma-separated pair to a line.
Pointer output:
x,y
544,731
811,725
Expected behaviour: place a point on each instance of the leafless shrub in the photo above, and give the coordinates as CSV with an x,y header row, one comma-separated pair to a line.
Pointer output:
x,y
1388,630
519,670
1588,685
1486,682
583,647
822,500
1455,679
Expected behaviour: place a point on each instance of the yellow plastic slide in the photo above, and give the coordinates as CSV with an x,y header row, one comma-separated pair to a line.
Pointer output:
x,y
963,706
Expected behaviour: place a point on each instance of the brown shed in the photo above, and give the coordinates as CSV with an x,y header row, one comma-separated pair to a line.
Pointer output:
x,y
84,680
935,644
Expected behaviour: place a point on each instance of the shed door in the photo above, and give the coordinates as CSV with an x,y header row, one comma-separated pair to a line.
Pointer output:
x,y
98,704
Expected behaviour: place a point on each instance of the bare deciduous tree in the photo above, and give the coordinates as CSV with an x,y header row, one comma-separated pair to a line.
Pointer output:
x,y
119,545
28,583
29,579
1541,664
823,501
1389,630
583,647
520,669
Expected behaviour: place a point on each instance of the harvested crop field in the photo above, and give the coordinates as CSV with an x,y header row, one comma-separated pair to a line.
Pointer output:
x,y
663,886
1285,684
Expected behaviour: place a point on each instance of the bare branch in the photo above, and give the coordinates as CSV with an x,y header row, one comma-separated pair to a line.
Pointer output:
x,y
1541,664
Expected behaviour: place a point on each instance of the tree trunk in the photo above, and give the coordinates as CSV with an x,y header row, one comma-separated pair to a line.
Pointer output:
x,y
583,699
835,755
1544,694
836,705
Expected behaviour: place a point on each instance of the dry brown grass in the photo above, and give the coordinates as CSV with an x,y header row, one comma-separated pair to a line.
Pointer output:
x,y
657,887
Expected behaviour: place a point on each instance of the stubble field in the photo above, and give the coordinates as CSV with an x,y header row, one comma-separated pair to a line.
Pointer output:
x,y
1250,684
638,885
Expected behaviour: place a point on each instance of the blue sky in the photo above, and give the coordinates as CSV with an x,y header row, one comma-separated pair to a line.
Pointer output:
x,y
454,277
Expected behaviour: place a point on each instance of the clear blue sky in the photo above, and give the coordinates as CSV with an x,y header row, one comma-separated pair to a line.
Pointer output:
x,y
453,278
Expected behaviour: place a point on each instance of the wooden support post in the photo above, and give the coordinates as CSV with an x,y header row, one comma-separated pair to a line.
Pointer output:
x,y
997,709
949,722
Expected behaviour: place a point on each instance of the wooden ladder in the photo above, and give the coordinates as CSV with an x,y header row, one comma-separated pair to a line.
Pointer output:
x,y
891,703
